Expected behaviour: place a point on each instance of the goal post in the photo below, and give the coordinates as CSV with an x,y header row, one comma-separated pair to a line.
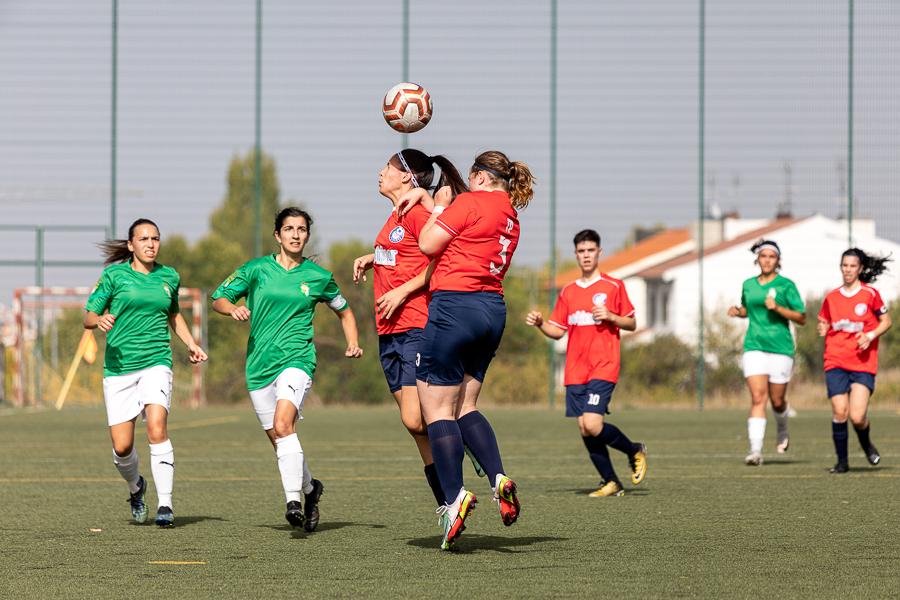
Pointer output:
x,y
47,331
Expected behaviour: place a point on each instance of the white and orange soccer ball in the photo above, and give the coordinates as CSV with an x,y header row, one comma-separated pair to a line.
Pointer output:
x,y
407,107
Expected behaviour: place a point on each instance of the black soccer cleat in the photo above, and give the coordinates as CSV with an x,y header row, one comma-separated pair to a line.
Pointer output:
x,y
294,513
165,517
139,509
311,512
840,467
872,455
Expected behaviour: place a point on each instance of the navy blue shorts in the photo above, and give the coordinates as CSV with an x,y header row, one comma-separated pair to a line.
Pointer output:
x,y
838,381
461,336
398,357
593,397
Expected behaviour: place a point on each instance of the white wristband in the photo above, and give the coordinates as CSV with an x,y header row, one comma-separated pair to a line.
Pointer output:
x,y
438,210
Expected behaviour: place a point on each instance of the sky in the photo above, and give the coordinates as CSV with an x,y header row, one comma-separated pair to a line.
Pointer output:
x,y
627,119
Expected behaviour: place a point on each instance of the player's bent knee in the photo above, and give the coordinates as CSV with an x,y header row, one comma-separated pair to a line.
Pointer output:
x,y
122,450
283,428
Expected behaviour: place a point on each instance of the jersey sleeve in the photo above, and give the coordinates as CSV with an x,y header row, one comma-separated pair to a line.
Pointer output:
x,y
457,217
825,311
794,301
331,295
624,306
878,306
100,298
174,306
744,296
236,285
559,316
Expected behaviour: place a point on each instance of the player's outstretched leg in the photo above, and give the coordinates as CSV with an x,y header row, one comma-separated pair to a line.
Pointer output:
x,y
868,448
839,436
479,439
613,437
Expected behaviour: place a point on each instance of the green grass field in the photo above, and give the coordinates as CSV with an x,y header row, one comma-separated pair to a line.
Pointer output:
x,y
701,525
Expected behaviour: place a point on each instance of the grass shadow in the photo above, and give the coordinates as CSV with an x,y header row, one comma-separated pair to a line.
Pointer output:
x,y
470,543
179,521
300,533
641,491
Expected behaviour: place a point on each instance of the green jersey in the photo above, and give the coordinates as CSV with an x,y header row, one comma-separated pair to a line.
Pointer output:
x,y
282,304
141,304
768,331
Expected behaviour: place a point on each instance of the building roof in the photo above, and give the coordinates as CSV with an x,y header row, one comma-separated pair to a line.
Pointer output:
x,y
658,242
658,270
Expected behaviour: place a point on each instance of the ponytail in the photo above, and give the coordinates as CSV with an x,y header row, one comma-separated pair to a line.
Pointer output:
x,y
514,177
870,266
116,251
421,167
449,176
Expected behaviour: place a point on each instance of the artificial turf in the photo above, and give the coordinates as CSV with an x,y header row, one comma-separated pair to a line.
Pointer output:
x,y
701,525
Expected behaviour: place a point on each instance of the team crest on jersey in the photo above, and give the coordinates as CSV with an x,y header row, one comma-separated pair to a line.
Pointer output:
x,y
167,290
860,309
599,299
397,234
304,289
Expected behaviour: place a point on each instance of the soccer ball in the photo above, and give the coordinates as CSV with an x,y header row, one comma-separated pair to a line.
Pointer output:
x,y
407,107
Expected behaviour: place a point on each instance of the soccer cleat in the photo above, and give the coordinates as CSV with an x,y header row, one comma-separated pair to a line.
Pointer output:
x,y
607,489
505,497
872,455
638,462
784,442
452,517
165,517
138,506
754,459
311,512
840,467
294,513
479,470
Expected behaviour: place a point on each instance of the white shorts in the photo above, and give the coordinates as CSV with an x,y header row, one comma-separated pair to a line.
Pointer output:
x,y
291,384
127,395
777,366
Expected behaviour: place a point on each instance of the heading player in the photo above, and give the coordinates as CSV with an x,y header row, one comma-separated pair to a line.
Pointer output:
x,y
770,302
852,319
282,291
400,273
592,310
136,303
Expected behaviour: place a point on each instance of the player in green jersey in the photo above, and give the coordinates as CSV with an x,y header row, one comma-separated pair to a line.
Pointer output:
x,y
281,292
135,303
770,302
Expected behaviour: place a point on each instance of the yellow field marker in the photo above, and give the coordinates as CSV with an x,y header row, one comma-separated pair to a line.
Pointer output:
x,y
176,562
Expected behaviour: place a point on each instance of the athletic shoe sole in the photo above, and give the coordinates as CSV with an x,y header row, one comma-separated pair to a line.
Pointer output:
x,y
509,502
312,506
459,525
639,471
295,516
139,510
165,520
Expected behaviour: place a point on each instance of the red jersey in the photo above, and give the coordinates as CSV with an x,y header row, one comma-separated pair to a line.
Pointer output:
x,y
847,316
592,351
485,230
397,260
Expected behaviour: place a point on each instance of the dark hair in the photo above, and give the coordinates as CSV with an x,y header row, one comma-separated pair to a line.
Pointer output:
x,y
422,167
872,266
513,176
763,242
117,250
586,235
292,211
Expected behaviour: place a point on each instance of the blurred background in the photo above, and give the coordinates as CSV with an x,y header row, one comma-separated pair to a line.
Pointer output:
x,y
681,130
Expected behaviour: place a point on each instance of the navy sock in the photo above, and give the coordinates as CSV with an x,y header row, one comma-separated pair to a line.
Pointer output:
x,y
863,435
839,434
613,437
434,483
447,450
600,457
479,436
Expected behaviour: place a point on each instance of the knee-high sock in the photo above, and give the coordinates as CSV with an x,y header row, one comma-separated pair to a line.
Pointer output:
x,y
162,464
839,434
863,435
128,467
434,483
307,477
447,450
600,457
781,418
290,463
613,437
756,431
478,435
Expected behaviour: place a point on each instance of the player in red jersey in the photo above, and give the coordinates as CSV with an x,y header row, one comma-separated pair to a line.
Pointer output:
x,y
401,304
474,239
593,309
851,320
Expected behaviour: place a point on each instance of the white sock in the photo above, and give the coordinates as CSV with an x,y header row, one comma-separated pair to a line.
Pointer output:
x,y
307,478
756,431
128,467
162,464
781,418
290,463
